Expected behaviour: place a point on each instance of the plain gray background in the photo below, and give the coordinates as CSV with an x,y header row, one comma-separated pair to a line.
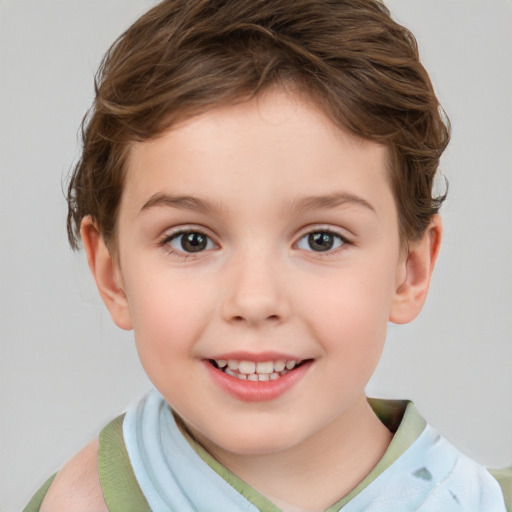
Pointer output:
x,y
66,370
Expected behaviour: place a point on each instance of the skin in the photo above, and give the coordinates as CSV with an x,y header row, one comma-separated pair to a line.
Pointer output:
x,y
260,286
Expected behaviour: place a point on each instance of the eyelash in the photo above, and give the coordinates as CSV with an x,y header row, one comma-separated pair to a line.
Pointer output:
x,y
184,255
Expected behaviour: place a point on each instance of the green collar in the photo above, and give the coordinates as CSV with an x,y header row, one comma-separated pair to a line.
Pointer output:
x,y
399,416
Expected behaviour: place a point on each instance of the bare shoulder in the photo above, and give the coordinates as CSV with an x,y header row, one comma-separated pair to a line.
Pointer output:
x,y
76,488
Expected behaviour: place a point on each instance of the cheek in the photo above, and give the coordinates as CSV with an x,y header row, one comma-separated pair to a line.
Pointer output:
x,y
167,315
350,315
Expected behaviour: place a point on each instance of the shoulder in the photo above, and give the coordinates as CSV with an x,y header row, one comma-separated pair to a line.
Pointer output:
x,y
76,488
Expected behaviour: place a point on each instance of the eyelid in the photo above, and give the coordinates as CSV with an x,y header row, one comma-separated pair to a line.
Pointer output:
x,y
186,228
316,228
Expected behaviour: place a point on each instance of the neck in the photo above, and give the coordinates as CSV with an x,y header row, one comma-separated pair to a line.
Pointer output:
x,y
322,469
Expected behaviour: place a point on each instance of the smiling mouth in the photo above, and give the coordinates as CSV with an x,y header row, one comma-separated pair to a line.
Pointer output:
x,y
256,371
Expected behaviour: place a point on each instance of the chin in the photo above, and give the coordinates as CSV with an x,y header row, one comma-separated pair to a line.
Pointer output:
x,y
256,440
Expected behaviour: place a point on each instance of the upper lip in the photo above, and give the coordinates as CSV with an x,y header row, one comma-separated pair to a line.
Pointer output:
x,y
256,357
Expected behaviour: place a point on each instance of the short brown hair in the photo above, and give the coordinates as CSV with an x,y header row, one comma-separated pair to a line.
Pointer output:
x,y
184,57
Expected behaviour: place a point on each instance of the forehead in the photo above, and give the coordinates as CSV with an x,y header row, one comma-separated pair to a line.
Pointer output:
x,y
277,145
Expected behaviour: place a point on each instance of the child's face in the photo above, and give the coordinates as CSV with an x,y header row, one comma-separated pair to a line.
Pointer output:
x,y
297,258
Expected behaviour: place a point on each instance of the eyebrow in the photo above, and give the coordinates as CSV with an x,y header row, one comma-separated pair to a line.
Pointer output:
x,y
298,206
329,201
182,202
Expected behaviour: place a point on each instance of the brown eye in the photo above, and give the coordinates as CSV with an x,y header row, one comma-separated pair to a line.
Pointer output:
x,y
320,241
190,241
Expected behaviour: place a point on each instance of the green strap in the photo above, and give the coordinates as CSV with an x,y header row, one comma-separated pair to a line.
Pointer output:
x,y
120,488
35,503
504,478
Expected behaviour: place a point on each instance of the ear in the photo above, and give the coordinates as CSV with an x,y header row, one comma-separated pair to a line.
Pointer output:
x,y
414,273
106,273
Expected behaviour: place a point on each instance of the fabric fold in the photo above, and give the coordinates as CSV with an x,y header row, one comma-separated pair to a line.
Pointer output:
x,y
170,473
429,476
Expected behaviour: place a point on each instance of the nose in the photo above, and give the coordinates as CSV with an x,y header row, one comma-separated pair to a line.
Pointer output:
x,y
255,289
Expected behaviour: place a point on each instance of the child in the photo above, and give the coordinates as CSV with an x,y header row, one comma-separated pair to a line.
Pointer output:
x,y
255,201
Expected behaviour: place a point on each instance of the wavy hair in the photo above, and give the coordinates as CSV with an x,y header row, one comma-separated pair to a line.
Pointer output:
x,y
184,57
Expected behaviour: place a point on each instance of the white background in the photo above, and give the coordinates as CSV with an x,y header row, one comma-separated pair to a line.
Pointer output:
x,y
65,370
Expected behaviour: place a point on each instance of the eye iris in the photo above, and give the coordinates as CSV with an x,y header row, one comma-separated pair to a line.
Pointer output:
x,y
321,241
193,242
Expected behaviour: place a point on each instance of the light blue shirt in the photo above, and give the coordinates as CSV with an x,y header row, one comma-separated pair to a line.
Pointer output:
x,y
430,476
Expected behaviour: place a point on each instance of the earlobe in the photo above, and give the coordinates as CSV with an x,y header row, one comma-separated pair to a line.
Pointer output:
x,y
415,274
106,273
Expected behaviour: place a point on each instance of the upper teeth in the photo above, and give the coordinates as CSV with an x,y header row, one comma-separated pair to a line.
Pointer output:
x,y
261,367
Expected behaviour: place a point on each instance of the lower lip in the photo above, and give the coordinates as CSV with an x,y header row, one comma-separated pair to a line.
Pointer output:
x,y
257,391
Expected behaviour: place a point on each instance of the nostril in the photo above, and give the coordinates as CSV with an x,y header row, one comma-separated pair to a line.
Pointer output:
x,y
249,319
